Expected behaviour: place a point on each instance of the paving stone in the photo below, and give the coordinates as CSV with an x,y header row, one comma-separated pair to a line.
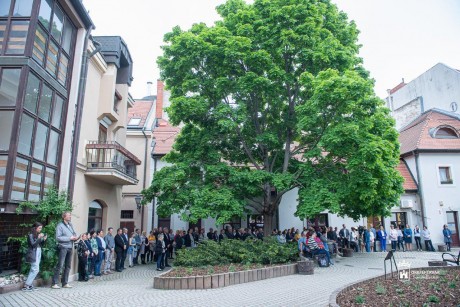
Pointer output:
x,y
133,287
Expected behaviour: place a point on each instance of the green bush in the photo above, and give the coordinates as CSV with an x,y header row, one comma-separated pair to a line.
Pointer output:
x,y
268,251
48,212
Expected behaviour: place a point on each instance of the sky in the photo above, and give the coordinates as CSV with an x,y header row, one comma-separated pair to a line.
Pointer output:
x,y
399,38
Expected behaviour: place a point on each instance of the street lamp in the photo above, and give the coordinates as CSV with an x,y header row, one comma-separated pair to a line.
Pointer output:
x,y
138,199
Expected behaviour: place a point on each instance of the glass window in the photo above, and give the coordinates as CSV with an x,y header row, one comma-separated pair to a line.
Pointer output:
x,y
50,177
399,219
445,175
35,182
41,135
17,37
3,164
53,146
20,179
31,95
2,32
51,58
25,135
9,87
67,36
39,45
45,103
94,216
134,122
22,8
62,75
57,112
58,22
44,14
5,8
6,125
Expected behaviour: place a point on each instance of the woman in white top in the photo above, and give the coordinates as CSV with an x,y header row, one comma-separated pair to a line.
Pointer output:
x,y
371,240
393,237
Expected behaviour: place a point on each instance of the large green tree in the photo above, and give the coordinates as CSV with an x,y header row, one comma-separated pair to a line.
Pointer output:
x,y
271,98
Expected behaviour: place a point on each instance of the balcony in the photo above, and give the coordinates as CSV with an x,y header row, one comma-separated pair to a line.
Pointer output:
x,y
112,163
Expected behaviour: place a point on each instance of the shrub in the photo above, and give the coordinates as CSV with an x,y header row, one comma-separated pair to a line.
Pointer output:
x,y
359,299
380,289
268,251
433,299
48,212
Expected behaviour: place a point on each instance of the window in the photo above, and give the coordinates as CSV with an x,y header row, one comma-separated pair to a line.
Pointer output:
x,y
2,30
399,219
41,136
5,8
25,134
20,179
127,214
6,125
134,122
445,175
94,216
446,133
9,84
31,95
3,164
22,8
255,221
35,182
17,38
57,112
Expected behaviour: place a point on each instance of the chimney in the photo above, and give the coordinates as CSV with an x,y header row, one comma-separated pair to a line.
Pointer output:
x,y
159,109
149,88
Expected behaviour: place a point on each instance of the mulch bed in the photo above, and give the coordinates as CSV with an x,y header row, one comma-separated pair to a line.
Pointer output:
x,y
425,288
216,269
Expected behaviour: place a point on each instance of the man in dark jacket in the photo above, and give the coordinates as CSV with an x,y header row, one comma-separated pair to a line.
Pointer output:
x,y
120,248
168,243
229,232
125,238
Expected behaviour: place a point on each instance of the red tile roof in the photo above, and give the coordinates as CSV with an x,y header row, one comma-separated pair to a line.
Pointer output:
x,y
409,182
140,109
397,87
418,134
164,135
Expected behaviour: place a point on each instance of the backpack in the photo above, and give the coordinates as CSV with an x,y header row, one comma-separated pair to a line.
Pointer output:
x,y
322,261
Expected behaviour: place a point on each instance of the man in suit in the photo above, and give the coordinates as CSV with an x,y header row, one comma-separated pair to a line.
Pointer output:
x,y
120,249
137,237
125,238
168,243
344,235
101,245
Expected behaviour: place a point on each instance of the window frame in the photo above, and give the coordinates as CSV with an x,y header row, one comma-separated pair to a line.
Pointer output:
x,y
451,173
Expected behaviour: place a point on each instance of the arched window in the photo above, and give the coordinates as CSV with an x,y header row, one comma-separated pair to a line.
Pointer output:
x,y
94,216
445,132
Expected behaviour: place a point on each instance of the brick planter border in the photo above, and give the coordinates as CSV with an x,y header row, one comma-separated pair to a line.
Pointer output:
x,y
333,298
222,280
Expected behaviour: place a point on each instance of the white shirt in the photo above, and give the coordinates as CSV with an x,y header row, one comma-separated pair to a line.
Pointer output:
x,y
104,246
393,235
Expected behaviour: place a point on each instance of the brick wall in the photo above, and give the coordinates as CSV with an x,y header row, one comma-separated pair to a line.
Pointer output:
x,y
11,226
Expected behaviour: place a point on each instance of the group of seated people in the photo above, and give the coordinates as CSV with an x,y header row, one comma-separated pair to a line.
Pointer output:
x,y
312,243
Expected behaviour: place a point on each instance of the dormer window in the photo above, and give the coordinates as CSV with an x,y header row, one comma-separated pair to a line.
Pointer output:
x,y
134,121
444,132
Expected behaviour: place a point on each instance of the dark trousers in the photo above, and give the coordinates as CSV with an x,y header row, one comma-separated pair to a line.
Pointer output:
x,y
165,259
135,260
400,243
123,259
65,260
375,245
428,243
393,245
82,263
97,265
418,242
119,259
322,251
160,258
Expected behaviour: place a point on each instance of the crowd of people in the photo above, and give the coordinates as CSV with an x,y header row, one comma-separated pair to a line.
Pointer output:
x,y
96,250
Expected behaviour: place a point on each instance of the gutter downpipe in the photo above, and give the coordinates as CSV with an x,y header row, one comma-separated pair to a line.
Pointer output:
x,y
145,175
419,179
79,111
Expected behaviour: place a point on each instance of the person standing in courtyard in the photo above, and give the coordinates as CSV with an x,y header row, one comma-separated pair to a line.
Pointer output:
x,y
109,250
393,237
138,240
125,238
417,238
101,247
447,233
82,252
400,239
382,237
427,238
408,238
160,250
65,237
120,248
35,241
374,233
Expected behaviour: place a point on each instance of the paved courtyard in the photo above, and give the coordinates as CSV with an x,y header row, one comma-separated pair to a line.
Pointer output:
x,y
133,287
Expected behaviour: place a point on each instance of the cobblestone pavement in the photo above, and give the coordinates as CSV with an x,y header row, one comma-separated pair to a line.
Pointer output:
x,y
134,287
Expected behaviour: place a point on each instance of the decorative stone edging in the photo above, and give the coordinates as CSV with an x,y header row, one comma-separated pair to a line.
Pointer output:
x,y
222,280
333,297
18,286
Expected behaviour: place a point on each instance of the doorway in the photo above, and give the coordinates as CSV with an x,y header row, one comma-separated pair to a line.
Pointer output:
x,y
452,223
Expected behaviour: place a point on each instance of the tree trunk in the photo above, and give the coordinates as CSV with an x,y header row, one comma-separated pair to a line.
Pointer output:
x,y
269,224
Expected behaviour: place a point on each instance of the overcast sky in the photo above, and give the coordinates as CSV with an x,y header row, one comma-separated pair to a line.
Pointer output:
x,y
400,38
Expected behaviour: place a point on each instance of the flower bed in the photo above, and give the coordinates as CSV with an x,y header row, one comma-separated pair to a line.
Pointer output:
x,y
172,281
426,286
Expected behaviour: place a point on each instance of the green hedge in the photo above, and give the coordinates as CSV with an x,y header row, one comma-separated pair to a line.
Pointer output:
x,y
268,251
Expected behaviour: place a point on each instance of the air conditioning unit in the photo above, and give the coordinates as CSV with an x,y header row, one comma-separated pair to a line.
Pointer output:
x,y
407,203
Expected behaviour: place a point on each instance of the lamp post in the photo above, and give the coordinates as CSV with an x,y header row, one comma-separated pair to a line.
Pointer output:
x,y
138,199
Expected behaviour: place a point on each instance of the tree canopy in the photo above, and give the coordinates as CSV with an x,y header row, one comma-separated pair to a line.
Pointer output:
x,y
270,98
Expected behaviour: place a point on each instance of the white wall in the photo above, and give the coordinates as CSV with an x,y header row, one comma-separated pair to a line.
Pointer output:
x,y
434,192
287,208
438,87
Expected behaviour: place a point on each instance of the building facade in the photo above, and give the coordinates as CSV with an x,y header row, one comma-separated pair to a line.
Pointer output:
x,y
42,47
